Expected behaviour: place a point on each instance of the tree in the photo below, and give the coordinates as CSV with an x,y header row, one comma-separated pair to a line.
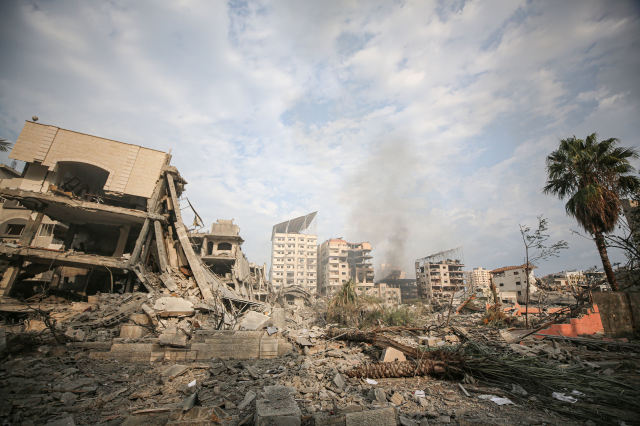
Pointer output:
x,y
4,145
594,176
536,250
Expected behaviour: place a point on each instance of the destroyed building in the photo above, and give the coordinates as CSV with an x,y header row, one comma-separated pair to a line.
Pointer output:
x,y
14,218
511,283
339,261
440,275
294,253
119,206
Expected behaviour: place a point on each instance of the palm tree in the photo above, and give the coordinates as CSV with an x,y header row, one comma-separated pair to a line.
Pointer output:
x,y
4,145
593,176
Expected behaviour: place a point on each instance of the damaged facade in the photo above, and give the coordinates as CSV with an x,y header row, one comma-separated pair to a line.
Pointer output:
x,y
121,226
440,275
511,282
339,261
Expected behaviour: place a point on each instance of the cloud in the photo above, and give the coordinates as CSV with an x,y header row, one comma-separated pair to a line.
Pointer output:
x,y
417,125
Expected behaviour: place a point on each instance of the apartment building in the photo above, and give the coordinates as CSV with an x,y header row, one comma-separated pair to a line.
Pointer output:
x,y
514,279
439,279
480,278
294,253
339,261
390,296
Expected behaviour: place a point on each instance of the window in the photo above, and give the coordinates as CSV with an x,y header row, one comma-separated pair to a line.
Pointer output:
x,y
46,230
344,273
518,283
519,293
14,229
501,285
516,273
224,246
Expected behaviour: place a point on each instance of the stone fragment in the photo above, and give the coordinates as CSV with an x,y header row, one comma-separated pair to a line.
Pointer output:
x,y
253,320
326,419
391,355
67,421
174,371
380,395
68,398
173,306
278,408
444,419
178,340
278,318
383,417
77,335
339,381
407,422
397,398
248,398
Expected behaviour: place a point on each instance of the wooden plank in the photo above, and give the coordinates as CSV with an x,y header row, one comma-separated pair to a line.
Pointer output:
x,y
194,261
162,255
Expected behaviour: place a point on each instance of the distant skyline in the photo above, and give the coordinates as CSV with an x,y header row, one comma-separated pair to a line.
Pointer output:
x,y
416,126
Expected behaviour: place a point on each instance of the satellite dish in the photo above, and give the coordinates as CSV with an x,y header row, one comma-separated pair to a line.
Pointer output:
x,y
34,118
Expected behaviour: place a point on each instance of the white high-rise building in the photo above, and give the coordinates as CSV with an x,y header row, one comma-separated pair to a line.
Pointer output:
x,y
294,251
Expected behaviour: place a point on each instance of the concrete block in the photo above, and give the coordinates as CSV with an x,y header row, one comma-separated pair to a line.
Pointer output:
x,y
279,408
173,371
323,418
278,316
396,399
132,331
178,340
253,320
383,417
173,306
129,352
268,347
391,355
615,313
227,344
77,335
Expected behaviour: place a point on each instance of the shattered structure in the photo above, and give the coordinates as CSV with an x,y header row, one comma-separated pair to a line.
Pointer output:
x,y
339,261
119,205
440,275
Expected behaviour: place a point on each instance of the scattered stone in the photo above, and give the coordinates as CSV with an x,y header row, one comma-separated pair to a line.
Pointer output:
x,y
178,340
391,355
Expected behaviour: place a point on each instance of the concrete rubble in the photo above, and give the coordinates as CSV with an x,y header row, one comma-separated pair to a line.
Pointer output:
x,y
135,319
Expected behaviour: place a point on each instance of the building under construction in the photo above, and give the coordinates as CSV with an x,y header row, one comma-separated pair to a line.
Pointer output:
x,y
440,275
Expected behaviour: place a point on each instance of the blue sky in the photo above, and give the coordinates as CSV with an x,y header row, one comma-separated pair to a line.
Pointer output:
x,y
417,126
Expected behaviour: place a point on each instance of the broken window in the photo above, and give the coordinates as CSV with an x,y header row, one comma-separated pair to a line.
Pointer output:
x,y
210,248
224,246
46,230
14,229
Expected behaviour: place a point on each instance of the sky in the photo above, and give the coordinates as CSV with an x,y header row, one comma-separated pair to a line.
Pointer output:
x,y
418,126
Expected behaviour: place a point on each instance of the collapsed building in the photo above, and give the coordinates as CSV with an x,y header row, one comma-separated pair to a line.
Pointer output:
x,y
121,226
440,275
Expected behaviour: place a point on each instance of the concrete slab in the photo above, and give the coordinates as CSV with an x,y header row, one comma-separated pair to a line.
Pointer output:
x,y
391,355
278,408
173,306
178,340
382,417
253,320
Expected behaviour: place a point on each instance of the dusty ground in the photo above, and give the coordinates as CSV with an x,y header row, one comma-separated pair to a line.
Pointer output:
x,y
36,389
